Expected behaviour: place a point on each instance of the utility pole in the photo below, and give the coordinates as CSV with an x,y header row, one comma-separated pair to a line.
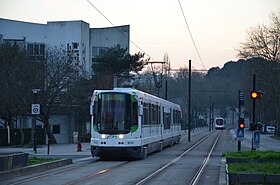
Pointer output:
x,y
212,115
35,110
210,100
166,89
189,134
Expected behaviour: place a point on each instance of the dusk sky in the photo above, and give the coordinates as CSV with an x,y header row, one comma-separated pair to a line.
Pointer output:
x,y
158,26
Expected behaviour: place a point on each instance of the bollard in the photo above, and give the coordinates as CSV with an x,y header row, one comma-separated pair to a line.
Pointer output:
x,y
49,146
79,146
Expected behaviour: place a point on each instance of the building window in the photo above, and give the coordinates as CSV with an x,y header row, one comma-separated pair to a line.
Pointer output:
x,y
42,49
75,45
36,49
96,51
29,49
56,129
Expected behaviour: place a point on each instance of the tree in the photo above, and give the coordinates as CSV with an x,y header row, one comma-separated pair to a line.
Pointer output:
x,y
58,75
116,62
15,73
55,75
264,42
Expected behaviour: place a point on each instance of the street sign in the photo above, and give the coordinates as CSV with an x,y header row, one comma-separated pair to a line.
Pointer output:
x,y
256,139
35,109
241,96
240,134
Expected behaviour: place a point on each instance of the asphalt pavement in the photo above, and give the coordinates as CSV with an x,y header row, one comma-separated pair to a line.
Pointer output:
x,y
267,142
55,151
71,151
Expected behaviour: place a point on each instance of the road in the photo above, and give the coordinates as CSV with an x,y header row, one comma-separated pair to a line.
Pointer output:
x,y
177,164
195,162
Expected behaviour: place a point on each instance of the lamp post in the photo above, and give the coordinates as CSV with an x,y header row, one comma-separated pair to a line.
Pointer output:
x,y
35,110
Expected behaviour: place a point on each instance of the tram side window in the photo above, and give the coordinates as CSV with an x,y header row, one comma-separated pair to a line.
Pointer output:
x,y
157,114
174,117
146,113
180,117
167,120
154,114
134,113
150,114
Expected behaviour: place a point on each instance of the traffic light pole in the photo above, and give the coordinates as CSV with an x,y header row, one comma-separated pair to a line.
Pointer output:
x,y
254,110
241,124
239,113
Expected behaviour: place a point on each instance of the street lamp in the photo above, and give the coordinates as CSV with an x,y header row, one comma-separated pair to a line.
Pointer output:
x,y
35,110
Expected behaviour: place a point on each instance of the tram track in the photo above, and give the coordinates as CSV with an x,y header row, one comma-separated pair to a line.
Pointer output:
x,y
205,162
51,172
85,178
101,168
70,168
196,177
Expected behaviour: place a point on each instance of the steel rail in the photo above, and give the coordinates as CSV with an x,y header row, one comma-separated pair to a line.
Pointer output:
x,y
146,179
205,162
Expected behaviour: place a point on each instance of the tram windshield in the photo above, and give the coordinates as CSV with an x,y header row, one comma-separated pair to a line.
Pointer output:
x,y
219,121
115,113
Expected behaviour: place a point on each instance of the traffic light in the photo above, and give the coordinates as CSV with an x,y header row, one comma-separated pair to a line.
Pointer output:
x,y
256,94
241,124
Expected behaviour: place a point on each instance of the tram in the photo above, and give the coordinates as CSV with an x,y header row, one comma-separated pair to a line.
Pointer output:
x,y
129,121
220,123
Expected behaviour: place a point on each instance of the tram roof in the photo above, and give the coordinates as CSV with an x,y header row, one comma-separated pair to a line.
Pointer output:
x,y
136,92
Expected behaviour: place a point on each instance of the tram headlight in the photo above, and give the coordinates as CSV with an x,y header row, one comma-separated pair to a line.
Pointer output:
x,y
103,136
121,136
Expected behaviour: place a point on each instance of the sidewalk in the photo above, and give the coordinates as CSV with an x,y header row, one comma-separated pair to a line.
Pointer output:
x,y
266,141
55,150
70,149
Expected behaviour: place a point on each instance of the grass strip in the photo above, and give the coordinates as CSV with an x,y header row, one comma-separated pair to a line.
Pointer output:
x,y
35,160
254,154
259,168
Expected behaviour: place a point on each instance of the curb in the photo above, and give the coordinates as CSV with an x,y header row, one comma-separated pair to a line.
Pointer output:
x,y
222,178
33,169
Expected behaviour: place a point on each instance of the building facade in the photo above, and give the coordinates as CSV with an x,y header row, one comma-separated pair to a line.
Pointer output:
x,y
81,42
77,39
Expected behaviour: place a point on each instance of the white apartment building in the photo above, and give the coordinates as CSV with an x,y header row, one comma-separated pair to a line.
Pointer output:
x,y
76,37
79,41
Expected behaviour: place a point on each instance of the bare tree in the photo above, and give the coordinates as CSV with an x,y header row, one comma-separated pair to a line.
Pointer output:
x,y
14,78
59,73
264,42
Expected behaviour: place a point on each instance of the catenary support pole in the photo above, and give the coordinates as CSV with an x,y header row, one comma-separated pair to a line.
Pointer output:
x,y
189,134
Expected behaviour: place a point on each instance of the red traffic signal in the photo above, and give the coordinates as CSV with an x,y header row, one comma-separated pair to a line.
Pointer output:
x,y
241,123
256,94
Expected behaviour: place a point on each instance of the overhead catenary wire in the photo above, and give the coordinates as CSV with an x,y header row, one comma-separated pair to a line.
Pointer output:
x,y
189,30
119,31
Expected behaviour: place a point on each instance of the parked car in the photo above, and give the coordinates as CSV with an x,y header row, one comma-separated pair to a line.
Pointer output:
x,y
270,129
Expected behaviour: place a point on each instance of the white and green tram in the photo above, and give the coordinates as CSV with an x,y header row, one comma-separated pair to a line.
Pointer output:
x,y
128,121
